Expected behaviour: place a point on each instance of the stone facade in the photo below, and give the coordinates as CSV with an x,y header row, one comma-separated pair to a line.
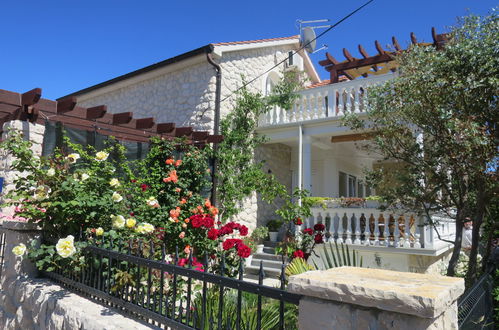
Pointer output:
x,y
360,298
32,132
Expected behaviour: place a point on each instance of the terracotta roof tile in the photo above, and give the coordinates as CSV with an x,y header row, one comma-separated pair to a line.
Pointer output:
x,y
325,82
254,41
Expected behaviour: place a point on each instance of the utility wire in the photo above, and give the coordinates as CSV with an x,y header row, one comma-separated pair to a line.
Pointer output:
x,y
302,47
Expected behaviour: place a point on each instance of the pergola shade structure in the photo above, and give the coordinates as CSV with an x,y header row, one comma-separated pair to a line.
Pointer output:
x,y
378,64
30,106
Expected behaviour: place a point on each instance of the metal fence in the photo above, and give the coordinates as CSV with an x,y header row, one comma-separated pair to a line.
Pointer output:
x,y
476,305
180,294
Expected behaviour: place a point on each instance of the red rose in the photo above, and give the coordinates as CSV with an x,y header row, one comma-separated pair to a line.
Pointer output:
x,y
298,254
213,234
243,230
243,251
308,231
230,243
318,239
144,187
298,221
319,227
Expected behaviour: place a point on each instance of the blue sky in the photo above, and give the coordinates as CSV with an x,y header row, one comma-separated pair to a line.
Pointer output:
x,y
64,46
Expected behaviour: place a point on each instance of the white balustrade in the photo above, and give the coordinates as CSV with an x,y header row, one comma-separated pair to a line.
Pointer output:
x,y
342,98
389,229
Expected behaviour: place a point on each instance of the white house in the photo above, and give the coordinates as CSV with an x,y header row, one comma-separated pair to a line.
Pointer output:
x,y
308,146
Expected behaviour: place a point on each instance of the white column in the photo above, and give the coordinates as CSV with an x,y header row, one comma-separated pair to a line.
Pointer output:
x,y
300,159
307,163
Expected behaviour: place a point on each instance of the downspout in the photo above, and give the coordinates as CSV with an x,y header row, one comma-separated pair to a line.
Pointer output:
x,y
216,124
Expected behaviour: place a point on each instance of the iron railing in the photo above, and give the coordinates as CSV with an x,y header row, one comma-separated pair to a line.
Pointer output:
x,y
476,305
127,277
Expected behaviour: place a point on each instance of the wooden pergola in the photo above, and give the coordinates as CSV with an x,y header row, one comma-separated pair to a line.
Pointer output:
x,y
381,63
30,106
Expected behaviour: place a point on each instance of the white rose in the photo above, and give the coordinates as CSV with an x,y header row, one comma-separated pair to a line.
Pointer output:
x,y
19,250
73,158
65,247
117,197
101,156
118,221
114,182
51,172
144,228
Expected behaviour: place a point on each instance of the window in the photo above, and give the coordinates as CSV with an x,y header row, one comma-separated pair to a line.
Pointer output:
x,y
290,58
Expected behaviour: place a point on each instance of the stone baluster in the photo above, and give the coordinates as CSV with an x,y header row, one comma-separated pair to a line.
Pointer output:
x,y
407,232
417,237
357,229
292,112
349,229
386,233
340,103
396,232
367,230
340,228
315,105
331,104
356,91
365,100
348,94
376,229
331,227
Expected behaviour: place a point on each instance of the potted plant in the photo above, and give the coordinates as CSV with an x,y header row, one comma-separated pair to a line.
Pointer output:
x,y
373,201
333,202
250,242
274,226
259,235
352,202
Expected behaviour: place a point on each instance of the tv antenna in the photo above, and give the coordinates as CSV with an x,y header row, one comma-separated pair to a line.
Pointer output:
x,y
308,36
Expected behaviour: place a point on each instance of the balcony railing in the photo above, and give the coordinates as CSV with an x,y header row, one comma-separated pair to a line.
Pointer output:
x,y
333,100
374,227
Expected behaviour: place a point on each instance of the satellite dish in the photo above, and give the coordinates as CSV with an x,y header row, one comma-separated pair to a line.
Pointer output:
x,y
307,39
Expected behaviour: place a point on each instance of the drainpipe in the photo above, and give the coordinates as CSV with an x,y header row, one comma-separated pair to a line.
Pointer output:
x,y
216,124
300,159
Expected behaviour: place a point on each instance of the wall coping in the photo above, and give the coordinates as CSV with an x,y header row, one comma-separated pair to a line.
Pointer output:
x,y
423,295
20,226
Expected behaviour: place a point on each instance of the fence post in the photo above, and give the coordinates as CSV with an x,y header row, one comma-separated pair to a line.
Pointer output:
x,y
362,298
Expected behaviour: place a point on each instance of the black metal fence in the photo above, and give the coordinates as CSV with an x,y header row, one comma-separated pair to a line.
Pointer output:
x,y
476,305
180,294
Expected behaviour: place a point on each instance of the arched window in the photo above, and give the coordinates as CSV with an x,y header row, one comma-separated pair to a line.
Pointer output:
x,y
271,81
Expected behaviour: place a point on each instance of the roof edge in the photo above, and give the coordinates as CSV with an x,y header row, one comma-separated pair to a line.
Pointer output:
x,y
204,49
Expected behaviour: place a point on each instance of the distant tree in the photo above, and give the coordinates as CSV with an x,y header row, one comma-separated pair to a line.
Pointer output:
x,y
438,119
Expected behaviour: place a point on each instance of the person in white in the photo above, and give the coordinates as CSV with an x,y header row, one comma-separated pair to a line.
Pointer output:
x,y
467,235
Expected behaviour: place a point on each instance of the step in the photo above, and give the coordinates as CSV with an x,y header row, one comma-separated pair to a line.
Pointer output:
x,y
267,256
276,264
269,281
270,244
269,272
269,250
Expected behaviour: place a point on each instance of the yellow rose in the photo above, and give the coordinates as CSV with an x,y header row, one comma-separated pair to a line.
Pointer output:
x,y
117,197
130,222
114,182
65,247
144,228
101,156
99,231
73,158
19,250
118,221
51,172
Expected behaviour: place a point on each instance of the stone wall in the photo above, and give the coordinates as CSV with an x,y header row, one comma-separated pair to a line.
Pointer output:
x,y
360,298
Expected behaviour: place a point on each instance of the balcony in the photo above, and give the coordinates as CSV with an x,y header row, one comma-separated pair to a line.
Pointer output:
x,y
397,231
317,103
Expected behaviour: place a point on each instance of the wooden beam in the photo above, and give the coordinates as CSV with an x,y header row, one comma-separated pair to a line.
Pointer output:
x,y
214,139
165,128
200,135
347,55
96,112
396,44
413,39
377,59
8,97
31,97
144,123
352,137
122,118
183,131
379,48
66,105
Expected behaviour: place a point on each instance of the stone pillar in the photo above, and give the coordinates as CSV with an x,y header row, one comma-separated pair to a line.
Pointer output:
x,y
32,132
307,163
15,267
362,298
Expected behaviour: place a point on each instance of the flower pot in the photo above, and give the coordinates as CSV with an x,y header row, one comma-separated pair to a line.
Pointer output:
x,y
372,204
247,261
273,236
259,248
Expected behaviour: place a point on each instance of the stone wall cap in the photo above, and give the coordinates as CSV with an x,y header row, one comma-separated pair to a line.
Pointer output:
x,y
20,226
423,295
